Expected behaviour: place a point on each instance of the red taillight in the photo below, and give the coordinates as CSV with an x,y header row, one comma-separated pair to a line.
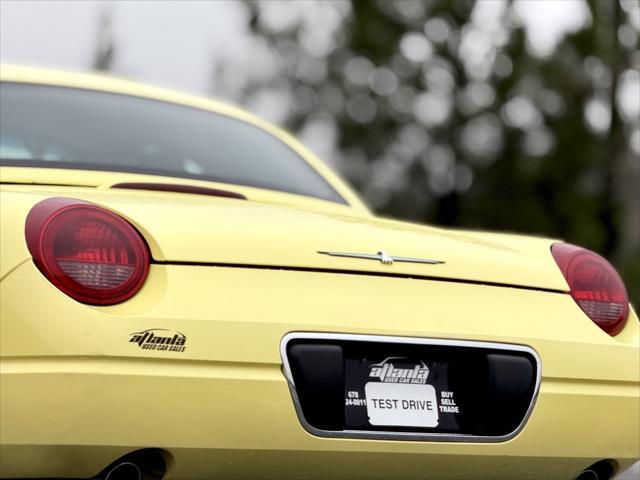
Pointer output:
x,y
88,252
594,285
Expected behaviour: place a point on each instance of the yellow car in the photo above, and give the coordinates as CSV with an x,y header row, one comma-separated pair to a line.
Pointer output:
x,y
187,292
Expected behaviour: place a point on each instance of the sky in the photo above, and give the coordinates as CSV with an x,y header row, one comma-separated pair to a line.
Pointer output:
x,y
167,43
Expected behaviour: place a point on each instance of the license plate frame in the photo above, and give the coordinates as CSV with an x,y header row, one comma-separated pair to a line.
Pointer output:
x,y
358,348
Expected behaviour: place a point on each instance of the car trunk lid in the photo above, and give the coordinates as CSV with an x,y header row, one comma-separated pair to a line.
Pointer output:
x,y
232,232
209,230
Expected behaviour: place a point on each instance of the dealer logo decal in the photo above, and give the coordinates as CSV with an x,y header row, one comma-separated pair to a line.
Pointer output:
x,y
160,339
388,373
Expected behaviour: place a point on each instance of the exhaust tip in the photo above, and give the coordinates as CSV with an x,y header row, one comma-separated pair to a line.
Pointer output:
x,y
602,470
588,475
147,464
124,471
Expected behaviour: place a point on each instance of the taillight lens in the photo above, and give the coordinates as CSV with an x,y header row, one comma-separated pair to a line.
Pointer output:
x,y
594,285
88,252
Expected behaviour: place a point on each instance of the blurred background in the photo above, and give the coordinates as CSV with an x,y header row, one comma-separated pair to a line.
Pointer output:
x,y
519,116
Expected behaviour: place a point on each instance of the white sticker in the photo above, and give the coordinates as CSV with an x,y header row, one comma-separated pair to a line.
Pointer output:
x,y
402,405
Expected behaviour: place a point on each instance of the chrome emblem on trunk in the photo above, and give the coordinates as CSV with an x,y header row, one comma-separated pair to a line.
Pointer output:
x,y
383,257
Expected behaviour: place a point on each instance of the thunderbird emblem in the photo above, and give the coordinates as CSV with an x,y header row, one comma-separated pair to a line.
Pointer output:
x,y
383,257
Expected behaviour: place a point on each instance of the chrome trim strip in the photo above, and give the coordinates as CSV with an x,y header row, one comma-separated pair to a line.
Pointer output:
x,y
407,436
382,257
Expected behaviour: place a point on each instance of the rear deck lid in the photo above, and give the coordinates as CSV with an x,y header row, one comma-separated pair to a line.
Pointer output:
x,y
235,232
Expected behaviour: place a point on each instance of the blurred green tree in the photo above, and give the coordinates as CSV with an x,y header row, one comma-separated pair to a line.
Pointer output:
x,y
442,112
104,53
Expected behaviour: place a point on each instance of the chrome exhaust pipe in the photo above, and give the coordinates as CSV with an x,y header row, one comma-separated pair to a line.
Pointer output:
x,y
124,471
147,464
588,475
602,470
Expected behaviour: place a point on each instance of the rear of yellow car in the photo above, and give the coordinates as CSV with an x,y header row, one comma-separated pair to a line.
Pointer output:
x,y
237,332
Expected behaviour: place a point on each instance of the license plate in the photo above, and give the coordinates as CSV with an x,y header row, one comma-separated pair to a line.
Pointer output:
x,y
401,405
385,392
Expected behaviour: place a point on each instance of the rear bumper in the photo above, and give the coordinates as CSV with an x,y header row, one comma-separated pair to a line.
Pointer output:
x,y
76,394
74,417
